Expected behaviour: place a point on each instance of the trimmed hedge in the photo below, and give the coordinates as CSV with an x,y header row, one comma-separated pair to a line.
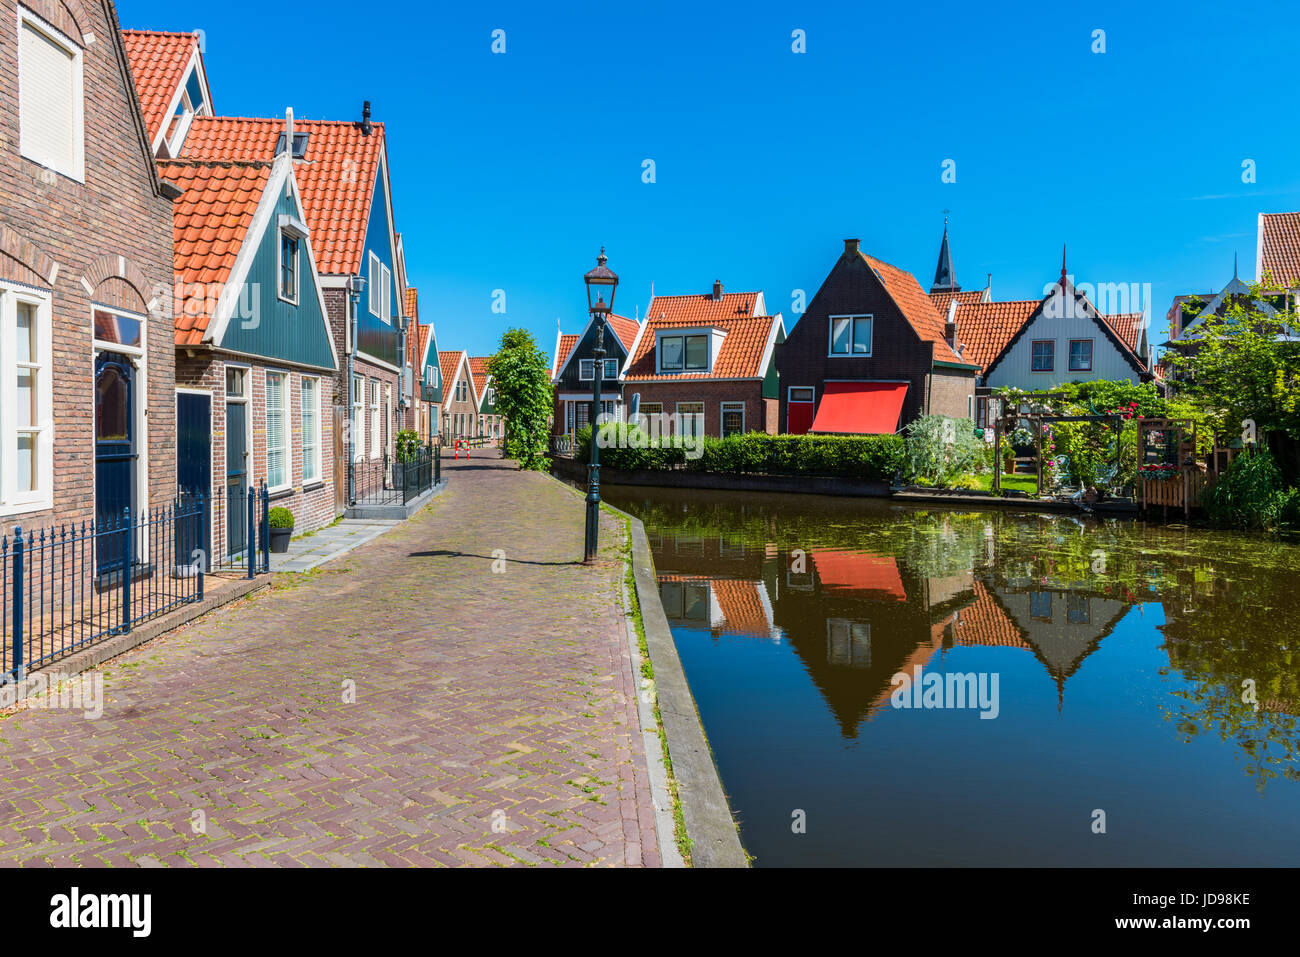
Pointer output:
x,y
874,458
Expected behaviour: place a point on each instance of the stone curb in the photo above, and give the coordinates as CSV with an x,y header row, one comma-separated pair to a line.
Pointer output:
x,y
110,648
715,840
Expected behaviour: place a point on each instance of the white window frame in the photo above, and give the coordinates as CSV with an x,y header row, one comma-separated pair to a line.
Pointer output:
x,y
297,265
388,417
311,437
1069,354
285,413
852,319
373,285
77,169
376,433
12,501
358,417
381,289
723,409
590,366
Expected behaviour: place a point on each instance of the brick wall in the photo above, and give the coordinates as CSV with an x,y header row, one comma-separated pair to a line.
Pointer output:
x,y
312,503
951,393
111,233
759,412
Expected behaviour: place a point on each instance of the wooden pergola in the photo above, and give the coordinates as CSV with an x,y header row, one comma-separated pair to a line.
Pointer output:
x,y
1005,419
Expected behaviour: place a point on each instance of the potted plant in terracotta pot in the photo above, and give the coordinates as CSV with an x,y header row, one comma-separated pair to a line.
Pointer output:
x,y
281,521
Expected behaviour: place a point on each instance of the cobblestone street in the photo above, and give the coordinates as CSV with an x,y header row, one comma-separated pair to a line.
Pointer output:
x,y
494,719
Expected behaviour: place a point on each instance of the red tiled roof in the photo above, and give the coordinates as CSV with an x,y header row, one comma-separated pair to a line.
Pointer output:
x,y
336,176
566,346
1128,326
915,306
1279,248
742,606
449,363
210,223
702,310
942,300
478,369
413,303
739,357
985,622
158,62
985,328
423,334
625,328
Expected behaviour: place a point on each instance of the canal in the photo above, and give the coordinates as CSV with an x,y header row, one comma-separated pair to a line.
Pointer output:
x,y
1078,692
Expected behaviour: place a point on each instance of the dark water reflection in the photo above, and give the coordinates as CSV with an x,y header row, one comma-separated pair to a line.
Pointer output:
x,y
1119,651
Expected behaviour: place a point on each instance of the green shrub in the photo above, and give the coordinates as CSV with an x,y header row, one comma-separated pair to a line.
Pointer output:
x,y
408,445
280,517
1247,493
940,449
866,457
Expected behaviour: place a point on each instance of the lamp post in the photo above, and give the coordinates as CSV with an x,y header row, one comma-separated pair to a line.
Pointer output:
x,y
356,285
597,280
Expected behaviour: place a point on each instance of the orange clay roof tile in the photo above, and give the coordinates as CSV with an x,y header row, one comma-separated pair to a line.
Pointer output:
x,y
158,62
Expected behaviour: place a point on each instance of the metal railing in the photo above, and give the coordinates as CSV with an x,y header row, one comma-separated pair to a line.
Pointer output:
x,y
562,445
243,529
387,481
68,586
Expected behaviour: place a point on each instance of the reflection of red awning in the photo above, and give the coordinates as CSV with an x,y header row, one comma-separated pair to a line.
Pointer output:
x,y
860,407
859,574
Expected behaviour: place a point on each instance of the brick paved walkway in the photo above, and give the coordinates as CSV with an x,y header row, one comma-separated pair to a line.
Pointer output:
x,y
494,720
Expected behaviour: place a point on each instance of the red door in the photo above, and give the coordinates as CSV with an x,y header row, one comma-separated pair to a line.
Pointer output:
x,y
799,409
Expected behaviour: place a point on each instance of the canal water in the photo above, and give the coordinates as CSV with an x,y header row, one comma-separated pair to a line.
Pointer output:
x,y
1079,692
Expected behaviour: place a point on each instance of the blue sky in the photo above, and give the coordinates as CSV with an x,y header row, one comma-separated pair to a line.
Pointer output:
x,y
511,170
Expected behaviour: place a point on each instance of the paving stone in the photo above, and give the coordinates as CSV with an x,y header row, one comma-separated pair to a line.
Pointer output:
x,y
480,699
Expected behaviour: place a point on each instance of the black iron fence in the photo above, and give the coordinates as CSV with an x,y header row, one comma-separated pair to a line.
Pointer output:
x,y
389,481
239,538
68,586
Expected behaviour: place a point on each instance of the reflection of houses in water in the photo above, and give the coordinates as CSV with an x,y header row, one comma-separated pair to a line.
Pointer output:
x,y
722,605
857,618
1060,627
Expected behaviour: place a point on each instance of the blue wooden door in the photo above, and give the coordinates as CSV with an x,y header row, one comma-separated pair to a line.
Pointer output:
x,y
115,454
236,477
193,470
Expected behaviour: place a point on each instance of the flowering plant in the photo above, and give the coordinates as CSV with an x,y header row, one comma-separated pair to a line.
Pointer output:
x,y
1164,471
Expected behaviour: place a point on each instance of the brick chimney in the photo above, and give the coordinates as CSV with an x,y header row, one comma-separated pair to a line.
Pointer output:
x,y
851,247
717,290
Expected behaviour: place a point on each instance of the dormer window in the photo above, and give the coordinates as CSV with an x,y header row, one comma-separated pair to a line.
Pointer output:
x,y
192,103
685,353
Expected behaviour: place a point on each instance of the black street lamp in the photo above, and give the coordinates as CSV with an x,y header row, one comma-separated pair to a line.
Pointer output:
x,y
597,280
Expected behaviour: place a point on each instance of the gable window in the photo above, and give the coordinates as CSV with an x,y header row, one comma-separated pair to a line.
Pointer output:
x,y
50,108
684,353
1080,355
850,336
1043,355
288,266
310,429
380,286
733,418
299,145
611,369
26,426
190,104
277,431
586,369
1040,605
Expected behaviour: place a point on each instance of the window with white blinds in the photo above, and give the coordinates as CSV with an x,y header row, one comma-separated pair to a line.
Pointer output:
x,y
310,429
50,107
277,437
359,418
376,433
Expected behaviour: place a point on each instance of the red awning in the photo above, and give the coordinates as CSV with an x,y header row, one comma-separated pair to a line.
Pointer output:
x,y
859,574
860,407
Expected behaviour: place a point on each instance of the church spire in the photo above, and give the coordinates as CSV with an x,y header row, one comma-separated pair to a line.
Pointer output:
x,y
944,278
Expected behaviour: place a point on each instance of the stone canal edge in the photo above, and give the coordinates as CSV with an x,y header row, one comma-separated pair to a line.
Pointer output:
x,y
712,834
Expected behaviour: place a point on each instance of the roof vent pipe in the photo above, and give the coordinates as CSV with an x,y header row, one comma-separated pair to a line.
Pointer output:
x,y
366,126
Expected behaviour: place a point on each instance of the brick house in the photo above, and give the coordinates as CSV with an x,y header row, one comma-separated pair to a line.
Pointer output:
x,y
460,401
489,422
342,169
573,372
87,415
255,356
872,342
705,363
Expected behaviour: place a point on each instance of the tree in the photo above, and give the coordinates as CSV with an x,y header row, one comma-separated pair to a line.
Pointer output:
x,y
1245,365
521,377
